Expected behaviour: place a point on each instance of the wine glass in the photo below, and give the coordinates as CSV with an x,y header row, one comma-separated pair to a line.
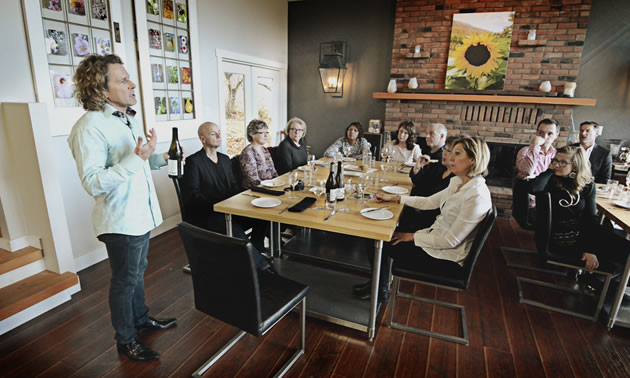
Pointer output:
x,y
384,169
347,192
384,153
361,193
319,190
294,179
310,159
347,150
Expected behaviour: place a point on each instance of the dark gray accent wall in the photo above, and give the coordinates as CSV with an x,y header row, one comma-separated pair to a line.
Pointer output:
x,y
368,28
605,69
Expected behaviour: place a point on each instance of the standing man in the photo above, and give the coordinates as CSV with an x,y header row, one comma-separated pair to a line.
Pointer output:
x,y
600,158
534,159
114,160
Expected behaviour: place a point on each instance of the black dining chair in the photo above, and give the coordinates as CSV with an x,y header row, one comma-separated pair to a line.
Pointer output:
x,y
455,280
543,236
180,201
228,287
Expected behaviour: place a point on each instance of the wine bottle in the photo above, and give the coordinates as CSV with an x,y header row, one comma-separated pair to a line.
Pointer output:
x,y
340,183
175,167
331,188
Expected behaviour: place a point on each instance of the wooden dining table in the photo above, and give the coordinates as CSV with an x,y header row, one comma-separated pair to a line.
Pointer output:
x,y
336,302
619,312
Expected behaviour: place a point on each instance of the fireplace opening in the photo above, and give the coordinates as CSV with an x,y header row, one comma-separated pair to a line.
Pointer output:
x,y
502,166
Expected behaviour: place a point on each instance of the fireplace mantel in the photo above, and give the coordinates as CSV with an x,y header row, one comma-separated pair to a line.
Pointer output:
x,y
486,98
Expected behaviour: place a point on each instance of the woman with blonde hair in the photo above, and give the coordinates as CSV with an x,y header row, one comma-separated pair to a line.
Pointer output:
x,y
464,203
291,152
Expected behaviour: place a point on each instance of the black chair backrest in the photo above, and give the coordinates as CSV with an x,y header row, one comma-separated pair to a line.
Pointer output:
x,y
225,280
236,168
543,223
483,231
520,204
179,196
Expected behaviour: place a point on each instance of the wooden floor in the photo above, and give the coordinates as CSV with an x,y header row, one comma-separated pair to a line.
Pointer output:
x,y
506,338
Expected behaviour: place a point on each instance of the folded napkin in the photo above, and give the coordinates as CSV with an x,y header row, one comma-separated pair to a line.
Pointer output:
x,y
267,191
302,205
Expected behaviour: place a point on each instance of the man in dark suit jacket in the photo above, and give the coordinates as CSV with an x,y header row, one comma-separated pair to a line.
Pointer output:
x,y
208,179
600,158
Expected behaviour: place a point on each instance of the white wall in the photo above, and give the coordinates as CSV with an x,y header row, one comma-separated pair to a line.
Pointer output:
x,y
252,27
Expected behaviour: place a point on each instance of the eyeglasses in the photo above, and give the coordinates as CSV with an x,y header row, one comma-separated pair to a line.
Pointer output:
x,y
560,163
262,133
296,130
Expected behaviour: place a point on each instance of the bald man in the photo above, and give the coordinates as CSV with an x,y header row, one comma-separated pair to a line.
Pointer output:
x,y
208,179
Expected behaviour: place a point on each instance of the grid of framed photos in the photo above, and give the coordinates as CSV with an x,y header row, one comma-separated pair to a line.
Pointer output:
x,y
72,30
170,59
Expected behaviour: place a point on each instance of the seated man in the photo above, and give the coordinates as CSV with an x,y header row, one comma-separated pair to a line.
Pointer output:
x,y
600,158
534,159
435,139
208,179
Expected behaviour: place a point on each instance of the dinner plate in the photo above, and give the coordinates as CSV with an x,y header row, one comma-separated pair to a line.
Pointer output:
x,y
350,167
266,202
624,204
383,214
349,159
352,173
394,190
271,183
409,163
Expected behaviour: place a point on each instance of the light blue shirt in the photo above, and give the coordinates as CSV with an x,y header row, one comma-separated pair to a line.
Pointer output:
x,y
119,180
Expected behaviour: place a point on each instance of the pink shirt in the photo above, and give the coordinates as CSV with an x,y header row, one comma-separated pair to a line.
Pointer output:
x,y
532,161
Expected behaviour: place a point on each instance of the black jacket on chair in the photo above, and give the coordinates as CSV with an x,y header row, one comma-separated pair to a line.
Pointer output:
x,y
601,164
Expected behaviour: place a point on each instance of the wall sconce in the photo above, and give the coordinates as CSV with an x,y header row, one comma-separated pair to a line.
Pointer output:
x,y
332,66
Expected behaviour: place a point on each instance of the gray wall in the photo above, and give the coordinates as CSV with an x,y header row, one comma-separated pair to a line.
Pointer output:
x,y
368,28
605,69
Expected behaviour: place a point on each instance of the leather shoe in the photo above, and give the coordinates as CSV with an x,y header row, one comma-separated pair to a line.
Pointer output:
x,y
361,287
137,352
365,294
154,324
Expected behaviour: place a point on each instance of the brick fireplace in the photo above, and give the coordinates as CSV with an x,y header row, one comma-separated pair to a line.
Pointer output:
x,y
555,56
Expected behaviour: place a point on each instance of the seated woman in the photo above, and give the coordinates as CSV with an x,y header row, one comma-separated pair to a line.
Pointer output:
x,y
445,245
352,144
575,231
430,178
291,152
256,163
403,148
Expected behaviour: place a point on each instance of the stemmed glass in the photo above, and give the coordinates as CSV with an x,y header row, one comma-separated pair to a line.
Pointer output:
x,y
347,192
361,193
319,190
347,150
384,169
310,159
293,181
384,153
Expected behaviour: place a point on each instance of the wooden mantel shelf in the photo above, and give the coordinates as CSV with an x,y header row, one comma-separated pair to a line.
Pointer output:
x,y
486,98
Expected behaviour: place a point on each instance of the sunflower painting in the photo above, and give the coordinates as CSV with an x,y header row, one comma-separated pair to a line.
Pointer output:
x,y
479,50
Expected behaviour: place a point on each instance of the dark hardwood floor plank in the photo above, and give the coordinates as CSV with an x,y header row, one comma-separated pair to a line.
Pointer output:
x,y
620,337
582,362
471,358
59,369
442,354
354,357
602,348
414,351
325,356
499,363
552,354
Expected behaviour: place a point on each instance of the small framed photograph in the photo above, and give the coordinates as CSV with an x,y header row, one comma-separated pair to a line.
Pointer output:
x,y
185,75
57,43
155,39
183,45
170,42
102,42
62,85
53,9
158,73
99,14
76,12
168,12
174,106
181,13
188,106
172,74
79,42
153,10
160,106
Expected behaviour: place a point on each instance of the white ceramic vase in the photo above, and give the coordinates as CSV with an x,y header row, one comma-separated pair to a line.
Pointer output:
x,y
545,86
413,83
391,87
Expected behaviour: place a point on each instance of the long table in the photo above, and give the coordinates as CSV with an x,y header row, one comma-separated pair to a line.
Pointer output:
x,y
619,311
333,285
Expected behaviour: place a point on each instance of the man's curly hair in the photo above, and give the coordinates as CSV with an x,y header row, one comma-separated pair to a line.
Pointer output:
x,y
90,80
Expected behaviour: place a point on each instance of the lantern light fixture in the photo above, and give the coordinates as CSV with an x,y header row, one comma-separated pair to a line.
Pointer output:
x,y
332,66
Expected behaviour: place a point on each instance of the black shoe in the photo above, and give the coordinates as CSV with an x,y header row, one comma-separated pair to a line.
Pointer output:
x,y
361,287
137,352
270,270
365,294
154,324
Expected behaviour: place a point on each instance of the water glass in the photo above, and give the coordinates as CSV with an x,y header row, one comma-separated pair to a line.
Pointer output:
x,y
347,192
611,184
294,178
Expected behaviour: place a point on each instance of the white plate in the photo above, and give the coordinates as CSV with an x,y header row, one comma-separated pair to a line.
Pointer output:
x,y
624,204
352,173
394,190
266,202
271,183
377,214
348,159
312,190
349,167
409,164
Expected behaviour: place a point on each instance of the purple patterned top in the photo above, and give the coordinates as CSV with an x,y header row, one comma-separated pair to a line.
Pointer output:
x,y
254,169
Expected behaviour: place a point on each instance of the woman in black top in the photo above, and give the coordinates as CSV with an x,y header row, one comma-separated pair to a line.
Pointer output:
x,y
575,231
291,152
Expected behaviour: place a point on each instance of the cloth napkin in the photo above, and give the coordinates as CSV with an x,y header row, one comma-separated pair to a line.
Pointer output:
x,y
302,205
267,191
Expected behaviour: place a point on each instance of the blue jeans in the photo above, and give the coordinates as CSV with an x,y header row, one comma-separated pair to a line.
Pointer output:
x,y
128,261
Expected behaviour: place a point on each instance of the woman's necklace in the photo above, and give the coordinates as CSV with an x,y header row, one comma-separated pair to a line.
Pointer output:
x,y
574,201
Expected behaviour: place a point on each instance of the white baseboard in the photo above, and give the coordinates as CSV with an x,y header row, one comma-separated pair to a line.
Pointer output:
x,y
21,273
36,310
19,243
99,254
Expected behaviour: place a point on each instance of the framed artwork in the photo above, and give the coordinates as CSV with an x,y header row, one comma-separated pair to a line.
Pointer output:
x,y
60,34
479,50
167,65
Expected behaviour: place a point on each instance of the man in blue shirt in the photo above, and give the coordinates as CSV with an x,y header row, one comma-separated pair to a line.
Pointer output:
x,y
114,160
